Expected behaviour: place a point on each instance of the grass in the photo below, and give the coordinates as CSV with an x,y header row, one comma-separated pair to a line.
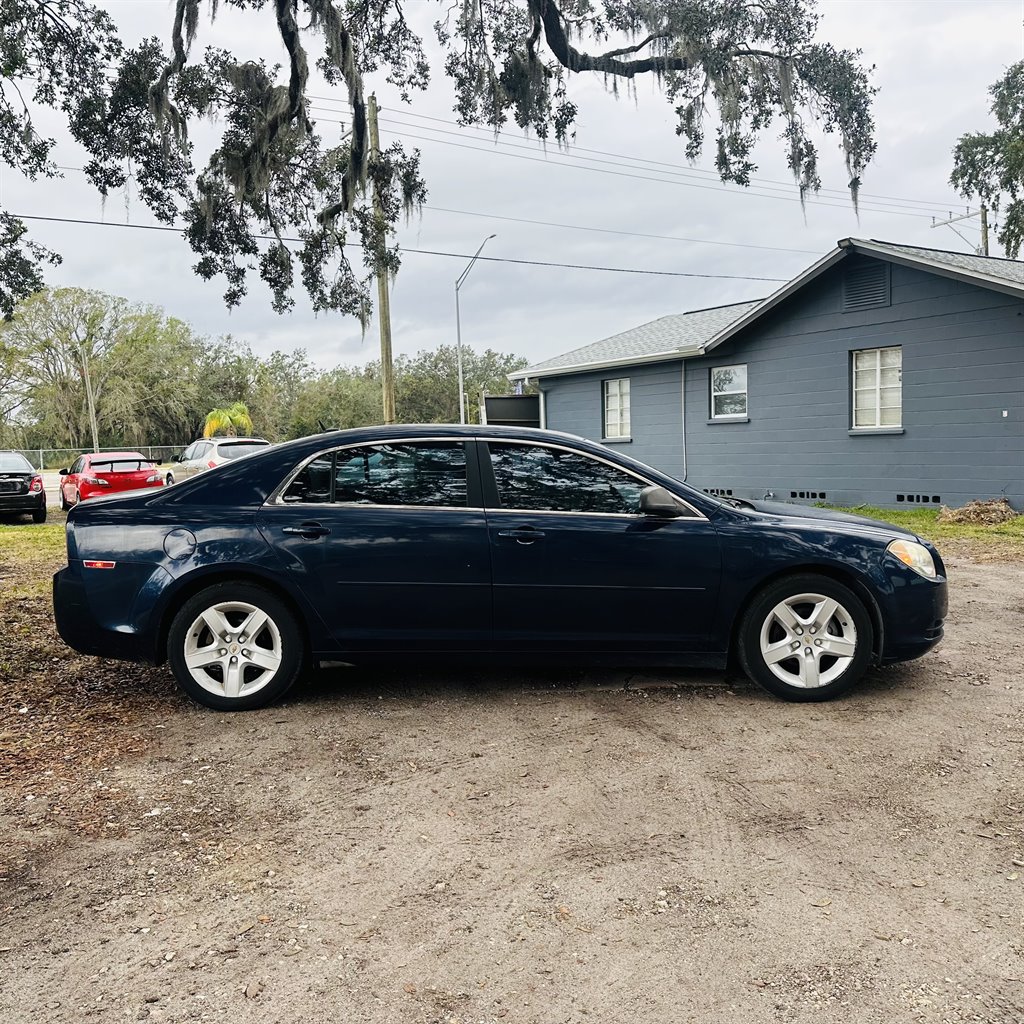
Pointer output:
x,y
29,554
1004,540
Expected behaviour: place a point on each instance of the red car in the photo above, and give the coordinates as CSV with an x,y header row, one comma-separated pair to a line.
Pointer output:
x,y
106,473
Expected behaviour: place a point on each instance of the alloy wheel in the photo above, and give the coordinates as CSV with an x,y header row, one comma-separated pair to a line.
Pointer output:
x,y
808,640
233,649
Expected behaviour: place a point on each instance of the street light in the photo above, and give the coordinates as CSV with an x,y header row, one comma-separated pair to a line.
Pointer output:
x,y
458,326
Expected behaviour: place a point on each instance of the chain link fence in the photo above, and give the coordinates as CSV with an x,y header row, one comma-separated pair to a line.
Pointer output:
x,y
61,458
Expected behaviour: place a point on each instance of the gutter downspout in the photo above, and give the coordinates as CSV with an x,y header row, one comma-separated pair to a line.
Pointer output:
x,y
682,393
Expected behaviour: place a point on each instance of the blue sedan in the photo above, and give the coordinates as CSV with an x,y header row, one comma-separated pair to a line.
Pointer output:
x,y
484,544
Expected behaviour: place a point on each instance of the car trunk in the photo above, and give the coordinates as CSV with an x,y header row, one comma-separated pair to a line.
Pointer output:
x,y
13,483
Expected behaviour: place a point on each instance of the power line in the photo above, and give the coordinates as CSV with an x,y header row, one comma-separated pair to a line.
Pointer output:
x,y
767,189
643,177
616,231
585,227
839,193
423,252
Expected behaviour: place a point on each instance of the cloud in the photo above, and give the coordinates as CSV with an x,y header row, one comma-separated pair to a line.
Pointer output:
x,y
934,64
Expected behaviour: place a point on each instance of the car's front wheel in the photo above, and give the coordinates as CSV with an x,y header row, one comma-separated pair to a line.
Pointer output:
x,y
806,638
169,479
235,647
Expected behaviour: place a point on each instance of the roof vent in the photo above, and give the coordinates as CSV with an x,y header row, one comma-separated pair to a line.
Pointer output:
x,y
866,286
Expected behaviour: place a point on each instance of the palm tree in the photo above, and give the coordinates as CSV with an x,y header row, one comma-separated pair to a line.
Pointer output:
x,y
229,421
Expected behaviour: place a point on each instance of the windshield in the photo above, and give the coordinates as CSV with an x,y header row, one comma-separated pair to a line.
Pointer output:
x,y
236,449
12,462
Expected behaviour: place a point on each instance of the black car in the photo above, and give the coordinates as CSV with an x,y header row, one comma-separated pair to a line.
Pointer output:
x,y
485,544
21,487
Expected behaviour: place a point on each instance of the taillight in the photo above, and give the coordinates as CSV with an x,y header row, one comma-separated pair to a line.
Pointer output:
x,y
94,563
36,485
156,478
212,464
95,481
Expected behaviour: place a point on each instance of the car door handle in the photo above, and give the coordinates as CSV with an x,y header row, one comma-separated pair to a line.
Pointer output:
x,y
308,530
523,534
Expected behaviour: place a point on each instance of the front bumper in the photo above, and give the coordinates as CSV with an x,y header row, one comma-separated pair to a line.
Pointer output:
x,y
914,620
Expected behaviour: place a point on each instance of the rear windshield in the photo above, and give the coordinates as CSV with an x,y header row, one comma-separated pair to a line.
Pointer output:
x,y
12,462
120,465
236,449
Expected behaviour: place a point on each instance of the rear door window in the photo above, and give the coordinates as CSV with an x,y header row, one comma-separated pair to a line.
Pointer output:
x,y
422,474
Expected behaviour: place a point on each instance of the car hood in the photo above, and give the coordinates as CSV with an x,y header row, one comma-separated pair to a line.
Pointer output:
x,y
790,511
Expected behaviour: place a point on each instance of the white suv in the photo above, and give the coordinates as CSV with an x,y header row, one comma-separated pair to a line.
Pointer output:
x,y
208,452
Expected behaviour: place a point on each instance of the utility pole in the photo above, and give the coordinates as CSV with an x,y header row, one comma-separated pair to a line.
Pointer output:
x,y
89,398
981,250
387,375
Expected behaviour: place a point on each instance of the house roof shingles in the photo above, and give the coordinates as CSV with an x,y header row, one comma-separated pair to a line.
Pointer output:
x,y
1011,271
679,332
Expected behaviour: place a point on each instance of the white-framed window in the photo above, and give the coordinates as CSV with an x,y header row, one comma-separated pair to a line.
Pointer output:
x,y
616,407
729,392
878,388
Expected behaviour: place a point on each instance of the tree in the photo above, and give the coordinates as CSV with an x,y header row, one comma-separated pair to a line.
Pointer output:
x,y
145,370
344,397
990,166
271,177
230,421
427,385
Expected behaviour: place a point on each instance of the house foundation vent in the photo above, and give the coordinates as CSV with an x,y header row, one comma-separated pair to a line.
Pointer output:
x,y
811,495
920,499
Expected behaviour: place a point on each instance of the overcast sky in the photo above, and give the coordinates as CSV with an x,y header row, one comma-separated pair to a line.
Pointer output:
x,y
934,62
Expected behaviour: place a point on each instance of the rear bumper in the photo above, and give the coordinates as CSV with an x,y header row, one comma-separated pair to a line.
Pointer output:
x,y
80,630
22,502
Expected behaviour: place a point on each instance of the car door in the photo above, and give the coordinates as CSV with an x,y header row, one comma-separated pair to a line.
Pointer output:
x,y
192,459
390,543
578,568
70,482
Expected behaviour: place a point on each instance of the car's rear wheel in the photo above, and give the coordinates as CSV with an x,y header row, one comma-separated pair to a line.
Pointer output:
x,y
235,647
64,506
39,515
806,638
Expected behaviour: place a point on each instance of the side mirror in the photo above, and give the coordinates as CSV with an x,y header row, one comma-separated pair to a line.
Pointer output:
x,y
656,501
64,472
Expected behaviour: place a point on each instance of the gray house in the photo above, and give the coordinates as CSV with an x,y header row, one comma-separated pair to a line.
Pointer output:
x,y
885,374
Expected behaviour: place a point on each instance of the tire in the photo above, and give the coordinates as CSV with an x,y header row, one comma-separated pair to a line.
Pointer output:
x,y
801,614
168,480
263,671
64,506
39,515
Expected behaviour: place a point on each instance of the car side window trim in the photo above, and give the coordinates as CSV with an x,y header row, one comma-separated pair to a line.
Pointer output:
x,y
493,500
473,495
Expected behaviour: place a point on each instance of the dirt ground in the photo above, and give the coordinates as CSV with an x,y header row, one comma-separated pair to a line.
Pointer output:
x,y
503,847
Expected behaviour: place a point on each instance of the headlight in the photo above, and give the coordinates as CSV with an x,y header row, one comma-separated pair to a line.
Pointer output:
x,y
917,556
